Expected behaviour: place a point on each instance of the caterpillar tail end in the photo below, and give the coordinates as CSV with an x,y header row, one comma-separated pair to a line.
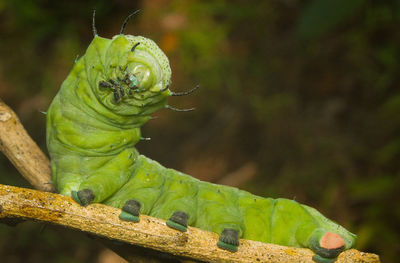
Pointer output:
x,y
326,245
83,197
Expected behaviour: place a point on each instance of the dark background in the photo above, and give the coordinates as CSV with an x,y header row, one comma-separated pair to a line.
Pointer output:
x,y
298,99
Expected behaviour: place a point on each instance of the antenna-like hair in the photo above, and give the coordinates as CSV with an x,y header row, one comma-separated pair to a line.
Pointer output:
x,y
179,110
134,46
126,21
94,23
164,89
186,92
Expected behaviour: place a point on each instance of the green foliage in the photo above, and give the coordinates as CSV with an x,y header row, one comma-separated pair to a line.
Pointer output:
x,y
320,16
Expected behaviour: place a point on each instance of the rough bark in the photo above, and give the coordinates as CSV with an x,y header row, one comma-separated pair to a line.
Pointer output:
x,y
22,151
150,233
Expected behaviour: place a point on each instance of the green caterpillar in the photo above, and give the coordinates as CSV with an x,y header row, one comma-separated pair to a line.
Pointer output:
x,y
93,125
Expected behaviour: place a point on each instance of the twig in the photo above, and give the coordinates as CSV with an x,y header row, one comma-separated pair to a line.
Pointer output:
x,y
22,151
102,220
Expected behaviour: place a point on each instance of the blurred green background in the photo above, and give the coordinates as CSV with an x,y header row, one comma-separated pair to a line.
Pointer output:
x,y
298,99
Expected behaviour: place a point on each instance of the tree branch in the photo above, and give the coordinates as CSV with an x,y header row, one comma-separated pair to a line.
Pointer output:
x,y
101,220
22,151
150,232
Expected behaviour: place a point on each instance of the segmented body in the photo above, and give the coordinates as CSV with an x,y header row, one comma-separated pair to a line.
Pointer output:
x,y
214,207
93,125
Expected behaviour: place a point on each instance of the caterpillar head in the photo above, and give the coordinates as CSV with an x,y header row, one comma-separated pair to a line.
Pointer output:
x,y
129,75
132,76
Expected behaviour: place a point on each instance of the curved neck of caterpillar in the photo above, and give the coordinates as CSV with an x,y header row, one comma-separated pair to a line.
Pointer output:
x,y
124,114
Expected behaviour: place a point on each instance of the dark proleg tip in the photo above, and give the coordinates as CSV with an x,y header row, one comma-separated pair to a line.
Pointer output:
x,y
178,221
132,207
83,197
128,217
176,226
317,258
229,240
227,246
330,253
130,211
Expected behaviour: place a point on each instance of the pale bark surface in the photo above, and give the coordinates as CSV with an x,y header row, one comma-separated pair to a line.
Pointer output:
x,y
103,220
22,151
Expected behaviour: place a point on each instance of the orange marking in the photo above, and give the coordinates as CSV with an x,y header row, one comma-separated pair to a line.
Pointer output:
x,y
331,241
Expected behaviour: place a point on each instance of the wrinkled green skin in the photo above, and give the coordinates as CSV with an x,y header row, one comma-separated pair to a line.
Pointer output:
x,y
91,137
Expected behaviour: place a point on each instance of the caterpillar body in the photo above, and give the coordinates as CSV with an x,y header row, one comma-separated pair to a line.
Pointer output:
x,y
93,125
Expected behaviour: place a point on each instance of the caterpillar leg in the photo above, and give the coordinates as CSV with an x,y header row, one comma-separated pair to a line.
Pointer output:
x,y
178,202
67,180
104,181
134,202
99,186
140,193
83,197
130,211
229,239
178,221
326,245
218,212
